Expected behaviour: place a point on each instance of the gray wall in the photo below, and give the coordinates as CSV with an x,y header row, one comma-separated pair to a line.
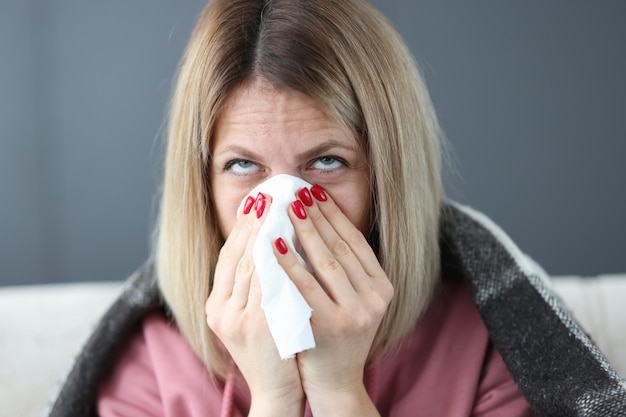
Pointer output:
x,y
530,94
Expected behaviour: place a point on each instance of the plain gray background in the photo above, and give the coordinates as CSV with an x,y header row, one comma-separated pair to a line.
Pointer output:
x,y
531,96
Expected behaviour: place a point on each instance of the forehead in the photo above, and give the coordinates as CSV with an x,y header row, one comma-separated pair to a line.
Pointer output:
x,y
258,109
259,99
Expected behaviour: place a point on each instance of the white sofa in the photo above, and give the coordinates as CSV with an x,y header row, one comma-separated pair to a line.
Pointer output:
x,y
41,327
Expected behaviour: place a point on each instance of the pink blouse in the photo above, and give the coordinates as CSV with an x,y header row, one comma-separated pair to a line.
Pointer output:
x,y
446,366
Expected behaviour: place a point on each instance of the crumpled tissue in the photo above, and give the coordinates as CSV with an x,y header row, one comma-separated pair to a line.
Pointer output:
x,y
286,311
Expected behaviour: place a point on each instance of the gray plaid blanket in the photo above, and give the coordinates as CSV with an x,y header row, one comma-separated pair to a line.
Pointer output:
x,y
554,363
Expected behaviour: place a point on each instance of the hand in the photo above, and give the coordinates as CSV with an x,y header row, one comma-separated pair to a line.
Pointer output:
x,y
349,296
234,314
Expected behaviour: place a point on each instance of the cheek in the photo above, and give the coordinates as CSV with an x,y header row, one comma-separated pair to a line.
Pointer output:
x,y
224,220
354,203
359,216
226,204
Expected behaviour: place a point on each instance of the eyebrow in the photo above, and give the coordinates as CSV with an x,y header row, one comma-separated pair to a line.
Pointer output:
x,y
240,150
308,154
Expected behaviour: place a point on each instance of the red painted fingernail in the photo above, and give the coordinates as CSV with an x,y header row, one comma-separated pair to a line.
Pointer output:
x,y
281,245
319,193
248,204
298,209
260,205
305,196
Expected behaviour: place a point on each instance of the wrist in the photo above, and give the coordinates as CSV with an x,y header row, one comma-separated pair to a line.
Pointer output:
x,y
284,405
351,401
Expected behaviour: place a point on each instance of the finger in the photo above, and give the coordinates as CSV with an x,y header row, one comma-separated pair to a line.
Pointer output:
x,y
231,253
246,270
339,248
255,293
348,232
328,270
306,283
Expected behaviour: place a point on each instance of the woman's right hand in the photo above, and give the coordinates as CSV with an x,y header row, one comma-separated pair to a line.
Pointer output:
x,y
234,314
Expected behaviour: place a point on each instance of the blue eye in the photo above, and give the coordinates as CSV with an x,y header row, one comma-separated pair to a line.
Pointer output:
x,y
241,166
327,163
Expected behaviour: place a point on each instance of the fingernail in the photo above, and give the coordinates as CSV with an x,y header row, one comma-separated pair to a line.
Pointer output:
x,y
319,193
260,205
248,204
281,246
298,209
305,196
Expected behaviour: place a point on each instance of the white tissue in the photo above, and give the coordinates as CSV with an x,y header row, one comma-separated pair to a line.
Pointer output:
x,y
286,311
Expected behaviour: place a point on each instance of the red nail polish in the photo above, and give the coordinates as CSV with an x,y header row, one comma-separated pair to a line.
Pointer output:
x,y
305,197
281,246
319,193
248,204
260,205
298,209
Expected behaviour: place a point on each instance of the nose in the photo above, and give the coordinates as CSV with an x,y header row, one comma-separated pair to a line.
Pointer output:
x,y
285,169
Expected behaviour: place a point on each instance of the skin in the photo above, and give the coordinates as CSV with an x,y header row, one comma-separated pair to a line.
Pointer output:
x,y
260,133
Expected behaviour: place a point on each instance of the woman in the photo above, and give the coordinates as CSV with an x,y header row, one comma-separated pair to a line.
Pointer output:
x,y
419,307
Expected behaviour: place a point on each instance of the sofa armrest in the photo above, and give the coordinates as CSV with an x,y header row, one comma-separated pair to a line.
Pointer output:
x,y
599,305
41,328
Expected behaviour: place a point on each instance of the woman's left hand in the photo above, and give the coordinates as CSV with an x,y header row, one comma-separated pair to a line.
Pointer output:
x,y
349,295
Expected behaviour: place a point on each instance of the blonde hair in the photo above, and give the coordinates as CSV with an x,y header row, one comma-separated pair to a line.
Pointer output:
x,y
349,59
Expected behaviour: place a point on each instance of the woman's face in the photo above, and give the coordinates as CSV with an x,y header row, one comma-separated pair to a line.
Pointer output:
x,y
262,132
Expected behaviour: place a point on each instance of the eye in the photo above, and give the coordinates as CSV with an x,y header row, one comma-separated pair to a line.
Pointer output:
x,y
241,166
327,163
